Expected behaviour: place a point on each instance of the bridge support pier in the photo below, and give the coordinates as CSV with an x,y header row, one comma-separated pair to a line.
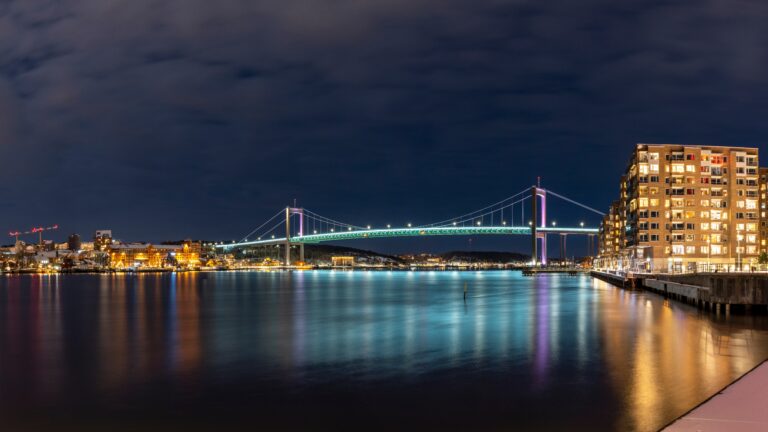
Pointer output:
x,y
301,252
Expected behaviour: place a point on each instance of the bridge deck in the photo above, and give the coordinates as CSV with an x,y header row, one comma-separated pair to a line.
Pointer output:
x,y
412,232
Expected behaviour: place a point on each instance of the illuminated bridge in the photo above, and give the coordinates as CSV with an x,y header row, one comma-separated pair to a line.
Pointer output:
x,y
300,226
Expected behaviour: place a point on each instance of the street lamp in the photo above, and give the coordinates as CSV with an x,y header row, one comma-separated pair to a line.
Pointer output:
x,y
582,224
554,223
409,224
389,225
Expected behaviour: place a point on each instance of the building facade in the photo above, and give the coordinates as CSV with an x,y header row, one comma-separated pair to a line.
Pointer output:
x,y
685,208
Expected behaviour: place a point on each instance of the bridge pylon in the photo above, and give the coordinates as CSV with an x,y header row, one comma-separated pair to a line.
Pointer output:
x,y
538,194
289,211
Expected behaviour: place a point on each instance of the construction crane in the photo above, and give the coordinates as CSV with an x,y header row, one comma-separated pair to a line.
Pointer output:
x,y
38,230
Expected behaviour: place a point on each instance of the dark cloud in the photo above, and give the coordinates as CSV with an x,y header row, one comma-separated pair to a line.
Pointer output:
x,y
163,119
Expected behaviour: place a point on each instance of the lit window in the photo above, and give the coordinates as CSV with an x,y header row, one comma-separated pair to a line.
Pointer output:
x,y
716,250
690,168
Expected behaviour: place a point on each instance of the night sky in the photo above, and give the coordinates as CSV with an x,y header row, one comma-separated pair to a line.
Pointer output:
x,y
196,118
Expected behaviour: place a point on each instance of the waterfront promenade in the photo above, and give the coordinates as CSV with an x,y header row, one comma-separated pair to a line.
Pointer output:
x,y
739,407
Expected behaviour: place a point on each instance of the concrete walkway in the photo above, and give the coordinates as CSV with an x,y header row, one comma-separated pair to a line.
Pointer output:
x,y
742,406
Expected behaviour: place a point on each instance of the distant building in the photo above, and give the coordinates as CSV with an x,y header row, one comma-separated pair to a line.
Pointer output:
x,y
135,255
343,261
102,240
73,242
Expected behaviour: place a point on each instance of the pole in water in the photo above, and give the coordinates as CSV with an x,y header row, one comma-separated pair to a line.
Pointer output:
x,y
465,291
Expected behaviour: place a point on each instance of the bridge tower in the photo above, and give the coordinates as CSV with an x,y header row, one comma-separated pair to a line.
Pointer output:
x,y
289,211
538,194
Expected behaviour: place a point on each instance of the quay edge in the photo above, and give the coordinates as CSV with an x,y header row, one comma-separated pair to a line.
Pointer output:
x,y
746,292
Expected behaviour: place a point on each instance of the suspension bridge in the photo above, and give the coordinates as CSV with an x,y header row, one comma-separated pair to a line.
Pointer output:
x,y
294,226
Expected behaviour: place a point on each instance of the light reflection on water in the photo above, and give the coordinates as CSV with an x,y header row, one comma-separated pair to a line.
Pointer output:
x,y
547,352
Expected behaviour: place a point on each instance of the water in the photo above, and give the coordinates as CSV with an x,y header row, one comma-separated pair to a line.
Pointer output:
x,y
200,351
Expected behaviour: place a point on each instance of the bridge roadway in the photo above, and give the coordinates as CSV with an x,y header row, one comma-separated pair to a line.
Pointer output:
x,y
411,232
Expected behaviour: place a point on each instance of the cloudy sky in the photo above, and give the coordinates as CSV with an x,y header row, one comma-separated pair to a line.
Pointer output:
x,y
198,118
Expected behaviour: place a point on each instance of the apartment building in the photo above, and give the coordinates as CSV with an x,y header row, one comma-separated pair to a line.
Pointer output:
x,y
685,208
763,182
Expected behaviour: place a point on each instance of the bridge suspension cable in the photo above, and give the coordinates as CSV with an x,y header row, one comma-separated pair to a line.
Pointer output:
x,y
478,218
329,220
262,226
469,215
576,203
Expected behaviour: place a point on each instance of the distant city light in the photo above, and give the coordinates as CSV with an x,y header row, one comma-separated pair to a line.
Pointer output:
x,y
409,224
349,228
582,224
554,223
314,232
369,227
503,222
389,225
454,224
478,223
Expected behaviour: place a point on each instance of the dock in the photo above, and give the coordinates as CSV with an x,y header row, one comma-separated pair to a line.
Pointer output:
x,y
717,292
570,271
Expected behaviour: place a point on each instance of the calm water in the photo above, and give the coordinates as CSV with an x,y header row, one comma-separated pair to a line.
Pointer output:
x,y
357,349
